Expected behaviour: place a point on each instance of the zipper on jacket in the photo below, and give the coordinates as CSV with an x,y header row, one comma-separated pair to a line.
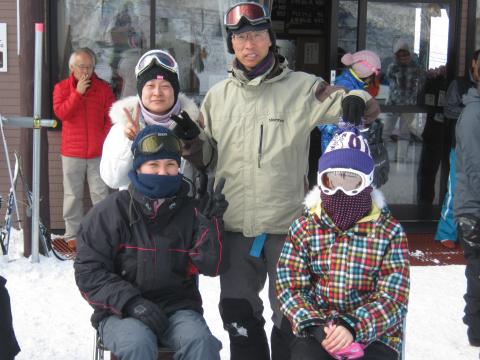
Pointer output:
x,y
260,146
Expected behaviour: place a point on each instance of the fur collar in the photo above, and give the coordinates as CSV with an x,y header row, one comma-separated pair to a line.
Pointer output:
x,y
118,116
312,200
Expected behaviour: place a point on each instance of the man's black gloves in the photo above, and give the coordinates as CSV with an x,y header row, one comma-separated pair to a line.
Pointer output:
x,y
353,108
469,230
214,203
148,313
186,128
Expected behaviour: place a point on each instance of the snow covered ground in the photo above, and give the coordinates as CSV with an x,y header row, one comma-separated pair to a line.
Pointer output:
x,y
51,319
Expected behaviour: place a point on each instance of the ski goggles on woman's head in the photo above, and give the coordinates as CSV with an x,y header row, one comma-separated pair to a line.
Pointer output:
x,y
158,57
351,182
155,142
253,12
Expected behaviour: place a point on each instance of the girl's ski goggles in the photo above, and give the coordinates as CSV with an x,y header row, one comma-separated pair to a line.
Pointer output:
x,y
153,143
253,12
350,181
158,57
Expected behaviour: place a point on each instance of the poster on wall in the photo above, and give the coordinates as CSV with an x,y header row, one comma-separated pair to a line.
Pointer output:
x,y
3,47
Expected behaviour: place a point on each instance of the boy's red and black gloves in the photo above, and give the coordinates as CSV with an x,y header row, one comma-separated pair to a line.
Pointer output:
x,y
353,108
186,128
148,313
214,203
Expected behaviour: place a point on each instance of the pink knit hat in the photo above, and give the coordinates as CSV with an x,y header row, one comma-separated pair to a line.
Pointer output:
x,y
364,63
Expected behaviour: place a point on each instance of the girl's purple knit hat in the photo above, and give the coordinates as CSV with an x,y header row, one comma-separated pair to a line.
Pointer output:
x,y
348,149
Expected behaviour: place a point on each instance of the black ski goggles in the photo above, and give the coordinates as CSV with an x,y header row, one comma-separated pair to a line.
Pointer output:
x,y
155,142
253,12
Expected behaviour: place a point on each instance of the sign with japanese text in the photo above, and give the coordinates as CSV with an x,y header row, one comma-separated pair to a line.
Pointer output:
x,y
3,47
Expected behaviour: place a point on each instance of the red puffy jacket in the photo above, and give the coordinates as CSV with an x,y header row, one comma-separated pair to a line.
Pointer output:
x,y
85,121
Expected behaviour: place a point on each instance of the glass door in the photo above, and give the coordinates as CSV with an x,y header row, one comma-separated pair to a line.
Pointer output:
x,y
412,41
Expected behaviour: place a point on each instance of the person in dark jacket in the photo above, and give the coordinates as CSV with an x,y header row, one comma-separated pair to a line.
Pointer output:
x,y
467,206
140,251
447,229
9,346
81,102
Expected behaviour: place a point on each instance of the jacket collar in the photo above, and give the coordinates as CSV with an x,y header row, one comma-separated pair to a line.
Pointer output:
x,y
278,71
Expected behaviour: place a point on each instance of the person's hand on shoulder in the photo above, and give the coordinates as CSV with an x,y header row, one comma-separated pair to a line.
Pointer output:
x,y
353,109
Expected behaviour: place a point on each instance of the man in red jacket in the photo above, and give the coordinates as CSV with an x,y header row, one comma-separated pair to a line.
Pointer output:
x,y
81,102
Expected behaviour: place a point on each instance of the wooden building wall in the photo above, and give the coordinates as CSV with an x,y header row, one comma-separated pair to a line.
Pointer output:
x,y
9,98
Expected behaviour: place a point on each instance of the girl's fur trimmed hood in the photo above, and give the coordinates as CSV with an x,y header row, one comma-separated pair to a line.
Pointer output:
x,y
312,200
117,114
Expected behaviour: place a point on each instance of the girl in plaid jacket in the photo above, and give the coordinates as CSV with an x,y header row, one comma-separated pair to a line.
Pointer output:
x,y
343,274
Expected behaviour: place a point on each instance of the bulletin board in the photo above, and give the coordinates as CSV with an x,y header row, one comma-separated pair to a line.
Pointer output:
x,y
299,17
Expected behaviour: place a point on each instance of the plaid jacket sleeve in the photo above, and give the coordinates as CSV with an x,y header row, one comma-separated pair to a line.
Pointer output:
x,y
388,305
294,284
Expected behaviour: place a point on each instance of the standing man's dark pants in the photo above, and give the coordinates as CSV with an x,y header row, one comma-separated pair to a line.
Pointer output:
x,y
9,345
469,236
240,305
430,159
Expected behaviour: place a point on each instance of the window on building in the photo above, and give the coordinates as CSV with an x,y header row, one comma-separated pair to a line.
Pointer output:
x,y
119,32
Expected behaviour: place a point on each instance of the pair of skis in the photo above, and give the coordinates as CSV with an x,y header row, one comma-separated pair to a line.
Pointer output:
x,y
5,233
58,247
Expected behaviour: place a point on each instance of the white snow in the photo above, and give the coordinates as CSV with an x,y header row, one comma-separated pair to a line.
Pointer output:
x,y
52,320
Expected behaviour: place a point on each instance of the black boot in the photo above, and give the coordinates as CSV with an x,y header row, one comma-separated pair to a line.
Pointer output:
x,y
281,341
248,340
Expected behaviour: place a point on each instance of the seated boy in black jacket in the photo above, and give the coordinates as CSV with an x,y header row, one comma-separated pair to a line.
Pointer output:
x,y
139,252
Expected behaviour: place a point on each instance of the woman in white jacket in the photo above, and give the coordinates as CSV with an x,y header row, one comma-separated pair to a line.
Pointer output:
x,y
159,102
